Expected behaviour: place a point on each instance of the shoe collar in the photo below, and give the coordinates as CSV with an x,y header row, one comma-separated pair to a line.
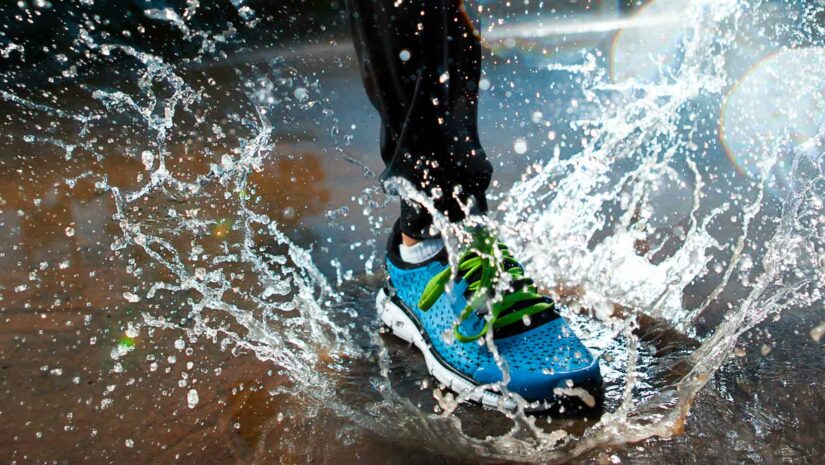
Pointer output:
x,y
394,256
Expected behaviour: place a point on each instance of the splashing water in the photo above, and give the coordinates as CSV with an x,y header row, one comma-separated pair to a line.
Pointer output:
x,y
663,259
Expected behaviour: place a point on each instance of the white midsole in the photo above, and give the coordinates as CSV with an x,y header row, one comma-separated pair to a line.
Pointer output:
x,y
402,326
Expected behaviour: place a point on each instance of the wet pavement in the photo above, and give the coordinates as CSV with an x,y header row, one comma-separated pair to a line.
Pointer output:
x,y
67,399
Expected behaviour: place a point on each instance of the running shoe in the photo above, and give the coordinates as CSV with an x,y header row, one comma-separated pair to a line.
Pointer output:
x,y
447,317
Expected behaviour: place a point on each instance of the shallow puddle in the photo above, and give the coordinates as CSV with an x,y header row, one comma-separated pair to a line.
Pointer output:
x,y
193,236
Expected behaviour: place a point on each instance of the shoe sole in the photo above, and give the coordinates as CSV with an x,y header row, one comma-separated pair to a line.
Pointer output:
x,y
402,326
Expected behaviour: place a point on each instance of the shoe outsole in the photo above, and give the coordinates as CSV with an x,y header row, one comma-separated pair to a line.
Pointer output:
x,y
402,326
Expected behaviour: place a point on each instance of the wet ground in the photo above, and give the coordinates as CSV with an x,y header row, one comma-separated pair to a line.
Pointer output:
x,y
67,397
65,402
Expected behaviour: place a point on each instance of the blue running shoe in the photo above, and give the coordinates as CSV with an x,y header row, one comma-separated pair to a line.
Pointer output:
x,y
548,364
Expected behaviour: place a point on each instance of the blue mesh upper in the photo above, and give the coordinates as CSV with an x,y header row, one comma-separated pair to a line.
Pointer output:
x,y
539,359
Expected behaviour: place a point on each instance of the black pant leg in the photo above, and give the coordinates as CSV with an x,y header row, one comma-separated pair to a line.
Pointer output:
x,y
420,61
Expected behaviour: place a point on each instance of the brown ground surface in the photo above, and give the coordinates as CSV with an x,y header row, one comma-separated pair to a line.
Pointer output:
x,y
62,313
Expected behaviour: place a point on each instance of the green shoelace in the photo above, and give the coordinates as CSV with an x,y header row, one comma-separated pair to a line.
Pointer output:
x,y
482,266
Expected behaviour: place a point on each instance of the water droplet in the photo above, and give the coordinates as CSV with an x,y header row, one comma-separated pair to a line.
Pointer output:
x,y
818,331
448,336
148,159
739,352
192,398
132,331
520,146
301,94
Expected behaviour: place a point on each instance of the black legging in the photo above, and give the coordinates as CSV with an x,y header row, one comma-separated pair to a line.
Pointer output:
x,y
420,62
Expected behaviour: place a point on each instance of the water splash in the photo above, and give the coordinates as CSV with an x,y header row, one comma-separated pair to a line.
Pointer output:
x,y
592,225
621,228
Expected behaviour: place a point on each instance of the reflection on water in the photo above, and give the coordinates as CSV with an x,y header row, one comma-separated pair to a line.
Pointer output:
x,y
192,243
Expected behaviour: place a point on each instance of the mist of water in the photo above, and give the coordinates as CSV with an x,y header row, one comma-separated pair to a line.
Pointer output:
x,y
631,229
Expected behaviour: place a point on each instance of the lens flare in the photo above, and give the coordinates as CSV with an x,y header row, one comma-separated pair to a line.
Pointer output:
x,y
649,44
776,107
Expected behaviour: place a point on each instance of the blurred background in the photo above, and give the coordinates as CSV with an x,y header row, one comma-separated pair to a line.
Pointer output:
x,y
93,94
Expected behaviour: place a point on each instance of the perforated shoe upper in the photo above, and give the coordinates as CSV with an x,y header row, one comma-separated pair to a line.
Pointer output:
x,y
540,358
